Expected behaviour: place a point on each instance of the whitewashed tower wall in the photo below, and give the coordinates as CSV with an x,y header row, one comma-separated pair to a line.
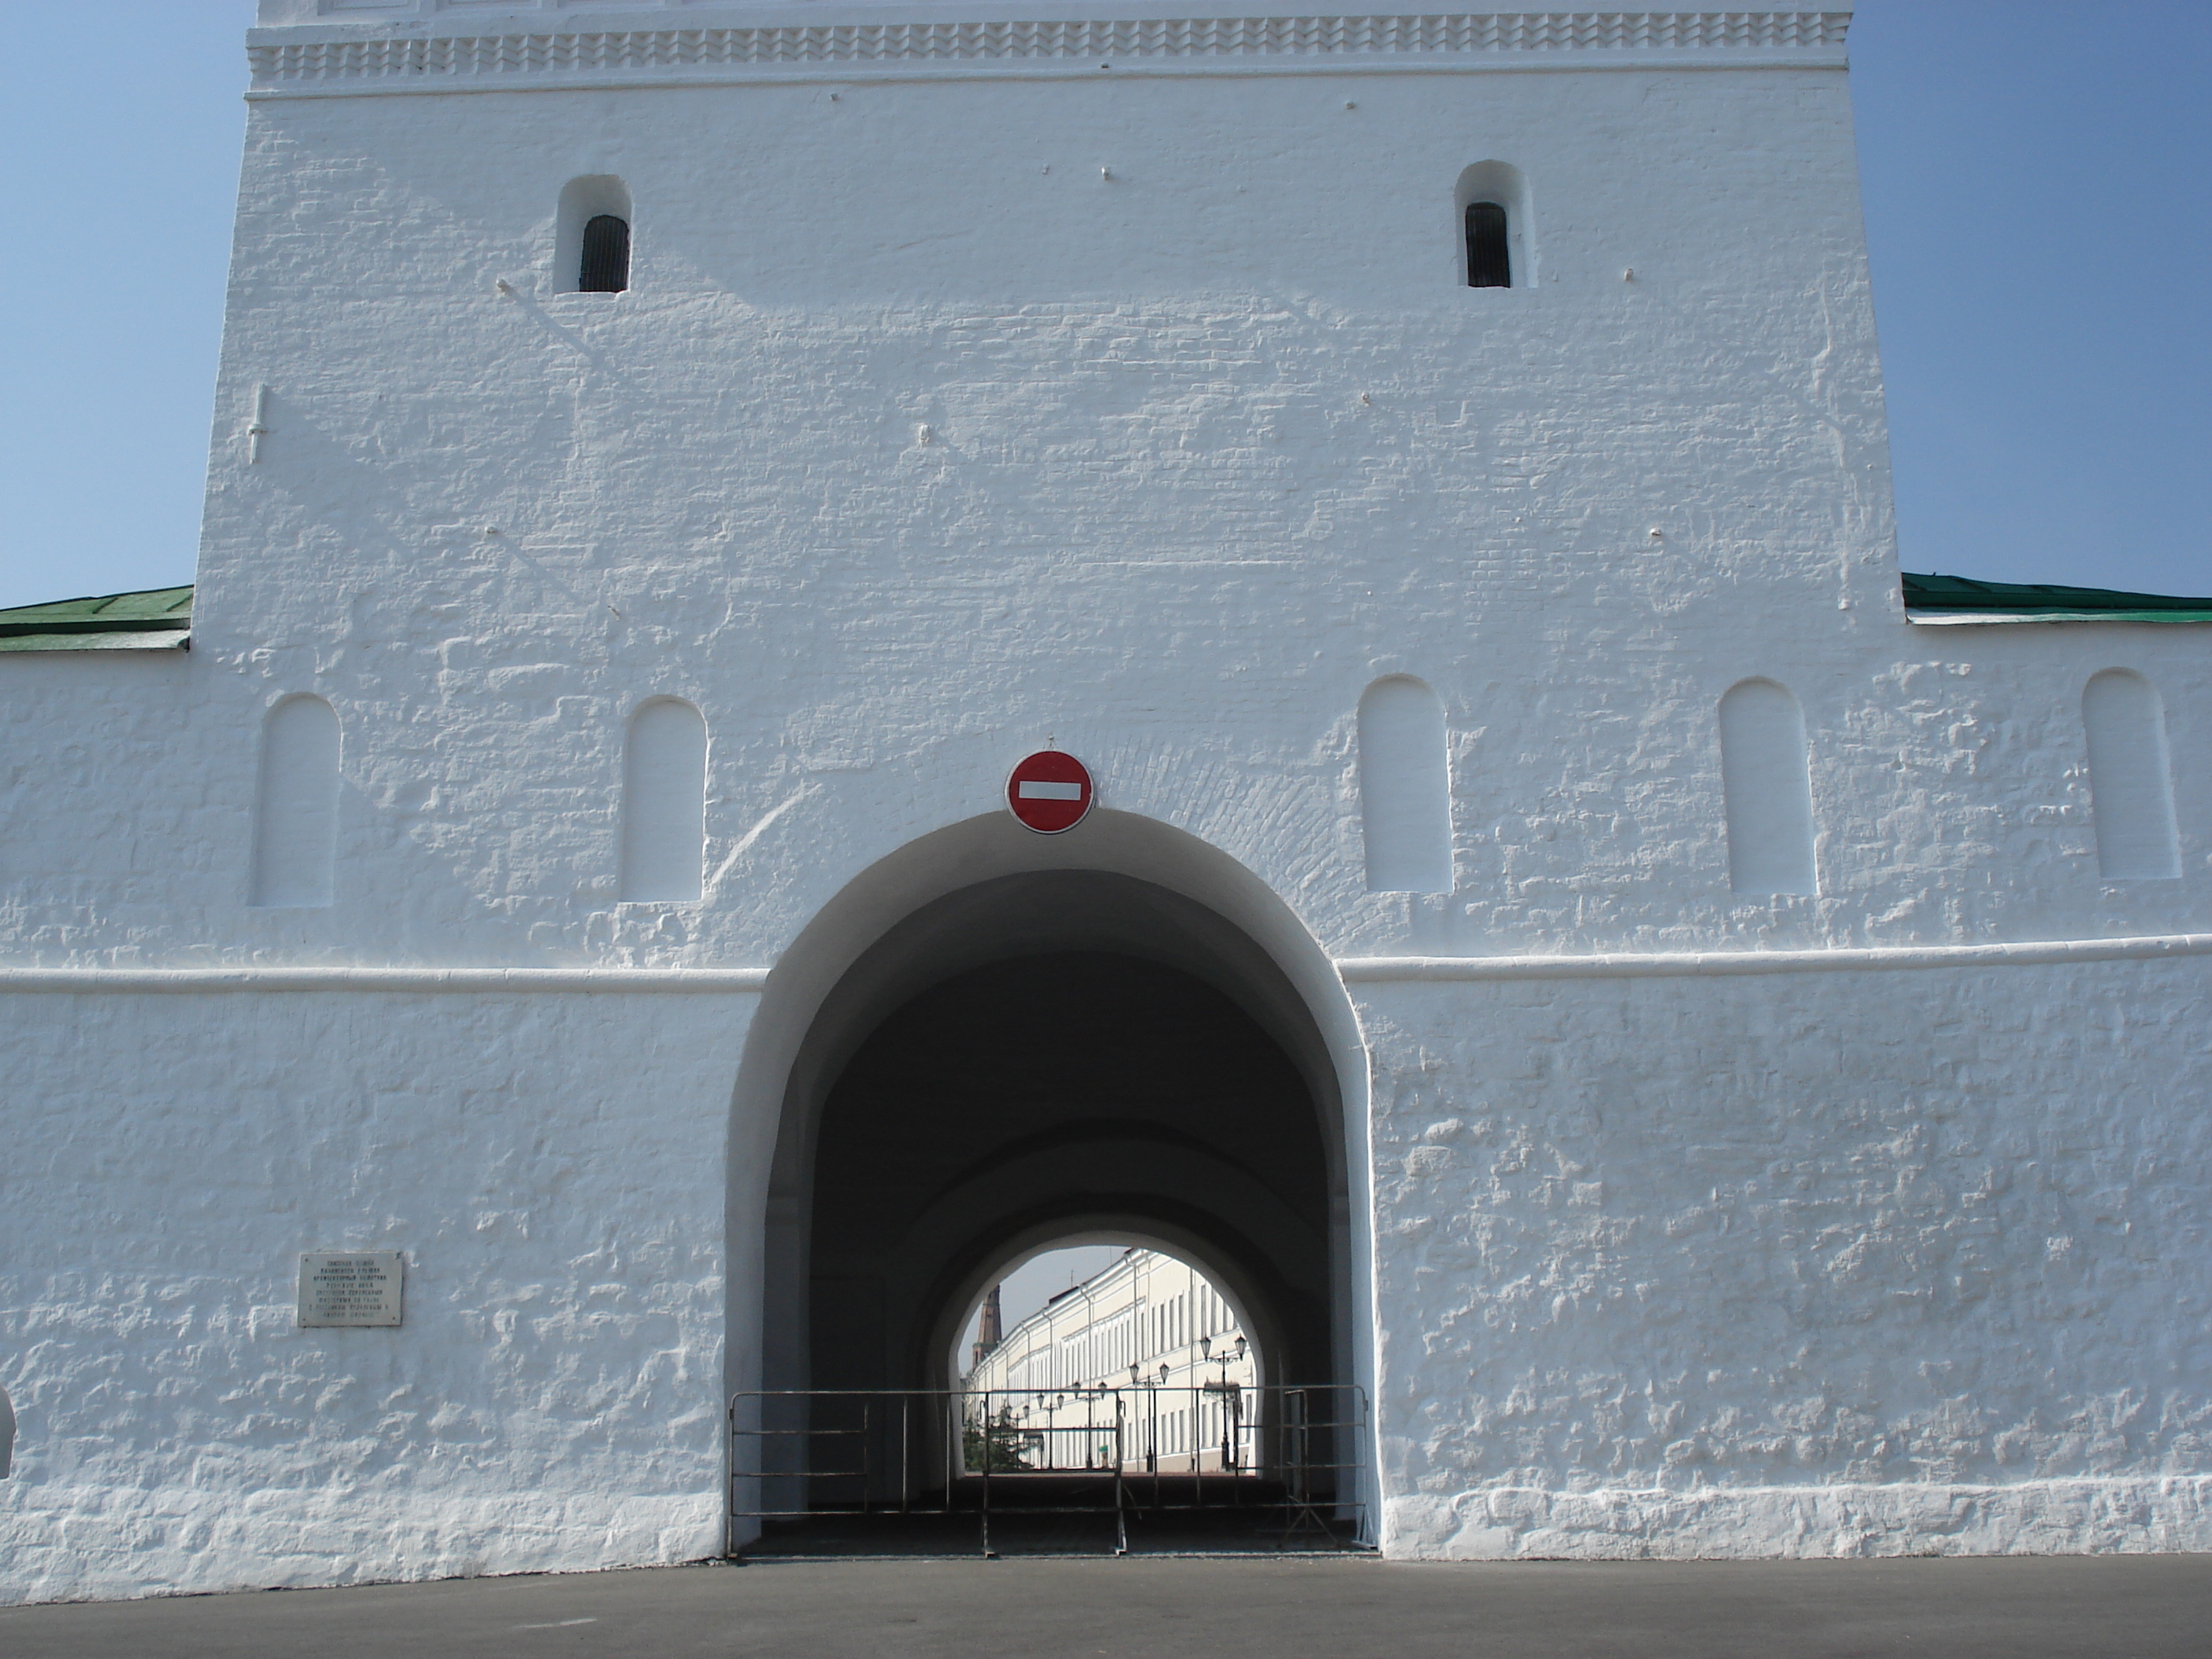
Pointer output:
x,y
1109,380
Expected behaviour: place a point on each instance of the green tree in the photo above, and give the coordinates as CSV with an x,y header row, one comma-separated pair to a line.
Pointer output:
x,y
1006,1444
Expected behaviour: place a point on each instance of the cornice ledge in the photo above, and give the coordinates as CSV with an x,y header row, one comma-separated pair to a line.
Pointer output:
x,y
1671,964
260,978
361,57
1355,970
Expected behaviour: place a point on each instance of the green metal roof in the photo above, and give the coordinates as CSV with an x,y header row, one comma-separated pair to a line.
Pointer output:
x,y
1961,599
158,619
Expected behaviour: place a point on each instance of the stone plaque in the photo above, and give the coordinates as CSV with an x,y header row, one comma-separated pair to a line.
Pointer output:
x,y
350,1287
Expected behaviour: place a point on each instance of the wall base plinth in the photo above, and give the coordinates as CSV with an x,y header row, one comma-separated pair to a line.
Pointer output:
x,y
108,1543
2033,1517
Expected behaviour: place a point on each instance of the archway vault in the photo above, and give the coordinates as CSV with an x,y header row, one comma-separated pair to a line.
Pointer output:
x,y
991,1037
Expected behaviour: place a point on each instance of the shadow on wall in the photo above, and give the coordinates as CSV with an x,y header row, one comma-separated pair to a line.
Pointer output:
x,y
6,1435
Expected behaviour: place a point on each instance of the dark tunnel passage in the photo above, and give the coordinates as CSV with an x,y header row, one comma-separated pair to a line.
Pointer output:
x,y
1070,1088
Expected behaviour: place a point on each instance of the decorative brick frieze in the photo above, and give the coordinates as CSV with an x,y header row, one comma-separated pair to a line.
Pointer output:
x,y
280,64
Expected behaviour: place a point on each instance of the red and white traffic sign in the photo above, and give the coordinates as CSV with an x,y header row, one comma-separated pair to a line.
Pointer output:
x,y
1049,792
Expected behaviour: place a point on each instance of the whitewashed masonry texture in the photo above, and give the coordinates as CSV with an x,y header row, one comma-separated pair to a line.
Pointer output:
x,y
1760,1044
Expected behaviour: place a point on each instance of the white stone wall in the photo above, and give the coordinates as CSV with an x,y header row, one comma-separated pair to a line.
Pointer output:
x,y
1802,1264
553,1396
952,413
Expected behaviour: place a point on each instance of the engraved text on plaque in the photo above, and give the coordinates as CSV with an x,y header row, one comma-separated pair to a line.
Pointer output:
x,y
350,1287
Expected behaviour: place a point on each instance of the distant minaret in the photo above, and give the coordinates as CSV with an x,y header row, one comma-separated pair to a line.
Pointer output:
x,y
988,1334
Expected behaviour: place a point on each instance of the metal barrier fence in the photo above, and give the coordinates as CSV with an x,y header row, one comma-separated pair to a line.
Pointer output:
x,y
1293,1458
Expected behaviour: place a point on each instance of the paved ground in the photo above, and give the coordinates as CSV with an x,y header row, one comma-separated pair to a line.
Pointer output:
x,y
2110,1607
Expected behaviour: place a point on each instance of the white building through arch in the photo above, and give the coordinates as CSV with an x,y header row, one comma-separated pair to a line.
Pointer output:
x,y
1154,1332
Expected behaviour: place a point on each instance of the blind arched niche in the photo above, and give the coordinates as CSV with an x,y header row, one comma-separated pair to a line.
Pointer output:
x,y
664,803
1404,788
295,820
1769,790
2131,778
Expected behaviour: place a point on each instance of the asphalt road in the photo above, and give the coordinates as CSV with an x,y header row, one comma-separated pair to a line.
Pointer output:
x,y
2021,1607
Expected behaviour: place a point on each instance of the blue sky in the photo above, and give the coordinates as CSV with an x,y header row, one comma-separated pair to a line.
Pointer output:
x,y
2036,201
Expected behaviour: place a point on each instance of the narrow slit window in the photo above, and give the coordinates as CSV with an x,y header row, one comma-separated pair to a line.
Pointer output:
x,y
605,267
1489,262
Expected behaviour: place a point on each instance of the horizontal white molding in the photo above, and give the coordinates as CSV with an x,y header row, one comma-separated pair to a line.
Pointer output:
x,y
202,981
1356,971
2018,619
1671,964
294,62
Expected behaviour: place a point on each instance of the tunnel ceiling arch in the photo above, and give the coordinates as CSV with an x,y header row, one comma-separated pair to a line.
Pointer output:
x,y
1073,1082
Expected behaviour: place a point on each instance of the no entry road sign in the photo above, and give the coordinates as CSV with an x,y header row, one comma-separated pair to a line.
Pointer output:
x,y
1049,792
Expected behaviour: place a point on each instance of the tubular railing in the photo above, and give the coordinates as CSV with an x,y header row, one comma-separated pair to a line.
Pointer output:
x,y
1293,1457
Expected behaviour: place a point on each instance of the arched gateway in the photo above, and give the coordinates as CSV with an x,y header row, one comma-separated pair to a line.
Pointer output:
x,y
991,1039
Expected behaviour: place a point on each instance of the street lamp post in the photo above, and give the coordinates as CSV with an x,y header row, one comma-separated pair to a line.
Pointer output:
x,y
1151,1398
1230,1394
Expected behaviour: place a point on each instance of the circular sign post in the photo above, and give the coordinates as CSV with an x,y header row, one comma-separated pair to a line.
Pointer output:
x,y
1049,792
